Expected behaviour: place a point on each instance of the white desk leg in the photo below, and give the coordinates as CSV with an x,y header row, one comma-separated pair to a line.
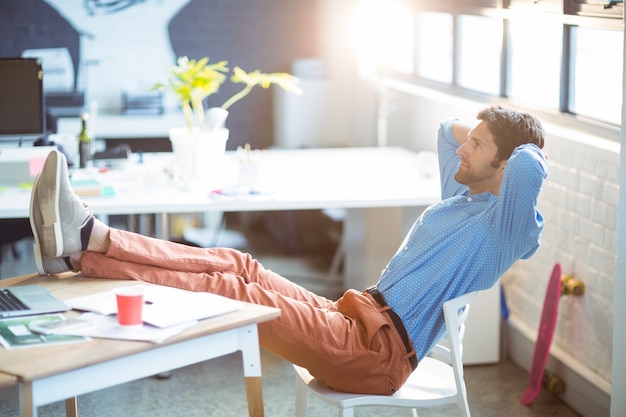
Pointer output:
x,y
249,342
104,218
371,237
161,226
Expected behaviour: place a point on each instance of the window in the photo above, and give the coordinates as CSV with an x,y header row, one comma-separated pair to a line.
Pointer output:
x,y
434,50
563,58
384,35
480,46
535,60
596,82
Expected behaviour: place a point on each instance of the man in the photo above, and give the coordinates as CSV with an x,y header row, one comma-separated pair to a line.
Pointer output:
x,y
367,341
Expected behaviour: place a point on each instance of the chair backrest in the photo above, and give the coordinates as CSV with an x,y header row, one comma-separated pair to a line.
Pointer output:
x,y
455,312
441,351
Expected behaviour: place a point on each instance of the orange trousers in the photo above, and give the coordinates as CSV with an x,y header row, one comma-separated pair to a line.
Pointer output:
x,y
350,344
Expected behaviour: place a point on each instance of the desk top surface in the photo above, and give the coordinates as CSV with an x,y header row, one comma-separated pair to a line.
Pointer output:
x,y
284,180
36,362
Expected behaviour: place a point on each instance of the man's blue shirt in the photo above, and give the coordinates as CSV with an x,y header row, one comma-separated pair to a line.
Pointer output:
x,y
463,243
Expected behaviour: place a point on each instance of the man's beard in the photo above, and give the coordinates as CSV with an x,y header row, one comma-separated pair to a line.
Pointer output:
x,y
468,176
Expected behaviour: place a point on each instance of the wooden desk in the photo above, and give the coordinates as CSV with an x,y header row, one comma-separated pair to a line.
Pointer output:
x,y
53,373
7,380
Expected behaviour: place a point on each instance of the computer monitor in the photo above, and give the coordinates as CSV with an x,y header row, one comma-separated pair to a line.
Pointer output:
x,y
22,104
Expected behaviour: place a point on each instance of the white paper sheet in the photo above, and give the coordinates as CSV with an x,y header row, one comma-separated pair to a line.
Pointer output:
x,y
107,327
165,306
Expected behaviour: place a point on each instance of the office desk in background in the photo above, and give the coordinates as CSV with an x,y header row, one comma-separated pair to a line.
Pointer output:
x,y
145,133
61,372
382,189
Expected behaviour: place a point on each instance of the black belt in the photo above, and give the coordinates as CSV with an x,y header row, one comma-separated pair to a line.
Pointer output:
x,y
397,322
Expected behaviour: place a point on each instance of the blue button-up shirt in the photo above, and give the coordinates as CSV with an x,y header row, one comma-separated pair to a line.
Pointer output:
x,y
463,243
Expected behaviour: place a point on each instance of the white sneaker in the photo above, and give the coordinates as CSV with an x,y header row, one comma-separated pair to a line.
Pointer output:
x,y
61,223
51,266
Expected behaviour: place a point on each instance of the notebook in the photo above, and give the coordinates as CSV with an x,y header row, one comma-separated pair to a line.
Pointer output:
x,y
28,300
164,306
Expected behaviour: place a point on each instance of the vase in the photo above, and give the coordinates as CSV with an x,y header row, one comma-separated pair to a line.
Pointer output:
x,y
200,156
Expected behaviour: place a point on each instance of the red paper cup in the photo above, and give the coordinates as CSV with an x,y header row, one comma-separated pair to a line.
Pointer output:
x,y
129,305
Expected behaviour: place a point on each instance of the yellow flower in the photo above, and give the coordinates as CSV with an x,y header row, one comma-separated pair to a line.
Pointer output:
x,y
251,79
194,80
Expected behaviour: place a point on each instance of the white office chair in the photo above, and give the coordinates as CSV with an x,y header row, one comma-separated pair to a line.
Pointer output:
x,y
438,379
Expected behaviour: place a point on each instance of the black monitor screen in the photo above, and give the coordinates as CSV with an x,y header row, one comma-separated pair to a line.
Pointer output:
x,y
21,99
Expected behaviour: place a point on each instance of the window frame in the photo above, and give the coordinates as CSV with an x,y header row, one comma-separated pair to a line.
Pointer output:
x,y
505,10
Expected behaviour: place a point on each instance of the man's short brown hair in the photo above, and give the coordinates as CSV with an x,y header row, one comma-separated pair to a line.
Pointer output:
x,y
511,129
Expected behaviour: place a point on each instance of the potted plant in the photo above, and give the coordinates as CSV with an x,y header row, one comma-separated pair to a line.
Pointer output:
x,y
201,144
192,81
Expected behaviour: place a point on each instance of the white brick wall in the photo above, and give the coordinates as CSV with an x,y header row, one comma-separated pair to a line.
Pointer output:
x,y
579,202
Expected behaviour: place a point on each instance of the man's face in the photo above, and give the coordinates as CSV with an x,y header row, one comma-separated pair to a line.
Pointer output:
x,y
479,168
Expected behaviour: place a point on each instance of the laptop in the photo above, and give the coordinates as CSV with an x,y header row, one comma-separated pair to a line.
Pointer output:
x,y
27,300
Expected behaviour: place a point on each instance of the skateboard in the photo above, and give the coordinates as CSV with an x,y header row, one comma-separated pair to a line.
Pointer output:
x,y
547,325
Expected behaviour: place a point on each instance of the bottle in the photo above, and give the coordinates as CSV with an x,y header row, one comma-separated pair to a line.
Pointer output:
x,y
84,142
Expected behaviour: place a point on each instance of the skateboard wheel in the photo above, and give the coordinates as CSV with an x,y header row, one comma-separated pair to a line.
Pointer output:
x,y
572,286
553,383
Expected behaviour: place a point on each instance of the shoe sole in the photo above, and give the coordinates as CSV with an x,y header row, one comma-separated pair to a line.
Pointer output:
x,y
38,259
49,215
36,248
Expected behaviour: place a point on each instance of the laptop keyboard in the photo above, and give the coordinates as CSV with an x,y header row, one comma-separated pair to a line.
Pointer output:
x,y
9,302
